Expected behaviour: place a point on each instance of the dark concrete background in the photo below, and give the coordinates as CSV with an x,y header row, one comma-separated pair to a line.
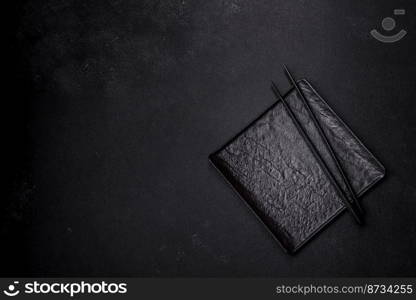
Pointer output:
x,y
112,108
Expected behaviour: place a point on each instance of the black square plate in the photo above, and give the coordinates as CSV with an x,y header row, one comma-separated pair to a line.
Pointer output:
x,y
270,166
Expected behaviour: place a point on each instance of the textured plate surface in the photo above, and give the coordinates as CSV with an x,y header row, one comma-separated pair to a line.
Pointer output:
x,y
271,167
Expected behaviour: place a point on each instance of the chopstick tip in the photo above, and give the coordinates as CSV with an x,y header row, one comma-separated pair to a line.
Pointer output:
x,y
274,86
286,69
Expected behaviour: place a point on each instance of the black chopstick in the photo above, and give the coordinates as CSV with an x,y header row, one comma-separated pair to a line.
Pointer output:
x,y
325,140
321,162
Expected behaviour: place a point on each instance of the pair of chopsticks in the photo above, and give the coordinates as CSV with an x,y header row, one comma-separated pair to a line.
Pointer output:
x,y
349,198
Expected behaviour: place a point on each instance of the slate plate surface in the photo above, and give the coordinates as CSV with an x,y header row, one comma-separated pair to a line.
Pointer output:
x,y
273,170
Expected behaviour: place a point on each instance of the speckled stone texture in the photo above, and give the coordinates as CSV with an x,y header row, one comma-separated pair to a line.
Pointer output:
x,y
271,167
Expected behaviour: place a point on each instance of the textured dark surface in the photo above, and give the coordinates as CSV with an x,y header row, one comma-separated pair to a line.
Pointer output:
x,y
110,109
271,167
